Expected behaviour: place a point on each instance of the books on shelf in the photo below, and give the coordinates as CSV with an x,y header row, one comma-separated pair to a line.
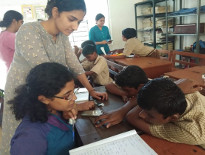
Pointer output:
x,y
82,95
122,144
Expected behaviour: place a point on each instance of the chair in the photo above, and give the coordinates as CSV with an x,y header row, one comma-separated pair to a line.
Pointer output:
x,y
165,54
114,68
187,59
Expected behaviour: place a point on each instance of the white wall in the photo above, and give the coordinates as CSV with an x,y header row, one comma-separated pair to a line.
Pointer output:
x,y
121,16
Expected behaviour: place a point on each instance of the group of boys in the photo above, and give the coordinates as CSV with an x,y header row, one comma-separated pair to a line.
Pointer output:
x,y
158,107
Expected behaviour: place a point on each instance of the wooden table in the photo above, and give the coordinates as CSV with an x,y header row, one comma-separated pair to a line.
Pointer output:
x,y
85,125
153,67
163,147
88,133
193,73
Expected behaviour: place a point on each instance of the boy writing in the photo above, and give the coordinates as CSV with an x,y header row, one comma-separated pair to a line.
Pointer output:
x,y
95,66
165,112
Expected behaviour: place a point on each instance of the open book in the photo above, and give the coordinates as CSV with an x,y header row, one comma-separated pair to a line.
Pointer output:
x,y
127,143
82,94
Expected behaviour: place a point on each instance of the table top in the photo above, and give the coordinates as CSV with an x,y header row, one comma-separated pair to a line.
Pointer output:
x,y
193,73
88,133
143,62
162,147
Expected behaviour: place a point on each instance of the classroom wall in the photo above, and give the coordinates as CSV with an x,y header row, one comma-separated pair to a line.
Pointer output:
x,y
121,16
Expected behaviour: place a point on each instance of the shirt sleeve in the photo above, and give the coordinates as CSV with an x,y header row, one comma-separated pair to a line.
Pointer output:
x,y
99,66
174,133
128,48
29,45
86,65
28,142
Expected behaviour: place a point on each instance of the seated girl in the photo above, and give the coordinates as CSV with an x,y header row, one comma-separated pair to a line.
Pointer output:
x,y
41,103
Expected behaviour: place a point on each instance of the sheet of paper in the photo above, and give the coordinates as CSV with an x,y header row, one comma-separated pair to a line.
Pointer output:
x,y
82,95
128,143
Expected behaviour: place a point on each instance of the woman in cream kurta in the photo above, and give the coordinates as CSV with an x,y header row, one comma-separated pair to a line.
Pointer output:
x,y
44,42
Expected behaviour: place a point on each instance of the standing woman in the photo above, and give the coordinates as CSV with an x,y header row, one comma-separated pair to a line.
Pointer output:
x,y
45,41
100,34
12,21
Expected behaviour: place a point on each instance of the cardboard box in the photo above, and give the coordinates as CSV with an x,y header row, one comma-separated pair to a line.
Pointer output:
x,y
188,28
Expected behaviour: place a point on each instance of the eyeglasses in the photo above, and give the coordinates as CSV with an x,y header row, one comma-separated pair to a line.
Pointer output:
x,y
69,97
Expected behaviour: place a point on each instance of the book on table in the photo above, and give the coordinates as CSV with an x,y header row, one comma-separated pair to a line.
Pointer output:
x,y
127,143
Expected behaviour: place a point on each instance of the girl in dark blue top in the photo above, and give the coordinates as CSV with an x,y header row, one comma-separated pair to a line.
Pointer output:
x,y
47,92
100,34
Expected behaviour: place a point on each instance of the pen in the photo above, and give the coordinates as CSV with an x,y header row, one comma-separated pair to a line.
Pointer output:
x,y
72,122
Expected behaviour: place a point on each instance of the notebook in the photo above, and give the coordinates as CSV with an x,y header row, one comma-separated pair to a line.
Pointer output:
x,y
127,143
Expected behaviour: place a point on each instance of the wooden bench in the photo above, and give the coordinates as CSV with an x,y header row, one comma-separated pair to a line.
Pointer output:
x,y
165,54
187,59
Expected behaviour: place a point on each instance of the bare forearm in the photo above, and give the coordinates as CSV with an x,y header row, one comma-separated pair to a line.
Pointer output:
x,y
112,88
134,119
84,81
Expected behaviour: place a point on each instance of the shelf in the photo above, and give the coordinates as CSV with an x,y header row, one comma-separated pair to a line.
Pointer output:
x,y
184,15
149,2
151,15
182,34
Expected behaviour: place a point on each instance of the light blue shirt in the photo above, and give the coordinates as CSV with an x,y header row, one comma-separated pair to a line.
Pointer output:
x,y
98,35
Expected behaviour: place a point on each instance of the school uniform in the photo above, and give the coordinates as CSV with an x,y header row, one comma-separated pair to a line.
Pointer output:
x,y
100,68
135,46
190,127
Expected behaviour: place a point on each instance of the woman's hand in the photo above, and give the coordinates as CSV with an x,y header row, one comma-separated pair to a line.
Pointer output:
x,y
99,95
104,42
71,113
85,105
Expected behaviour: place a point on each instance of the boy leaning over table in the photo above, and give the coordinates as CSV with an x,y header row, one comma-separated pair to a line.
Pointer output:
x,y
165,112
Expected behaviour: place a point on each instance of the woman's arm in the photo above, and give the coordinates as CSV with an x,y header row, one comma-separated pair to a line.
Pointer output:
x,y
100,96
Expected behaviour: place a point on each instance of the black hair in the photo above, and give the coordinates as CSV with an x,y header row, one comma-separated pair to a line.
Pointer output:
x,y
99,16
129,33
87,42
9,16
88,49
46,79
132,76
162,95
65,5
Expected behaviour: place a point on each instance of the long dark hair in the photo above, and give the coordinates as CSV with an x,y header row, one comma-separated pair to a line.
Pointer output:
x,y
65,5
9,16
46,79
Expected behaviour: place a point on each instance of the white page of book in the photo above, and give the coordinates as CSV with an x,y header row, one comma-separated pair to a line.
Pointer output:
x,y
82,95
128,143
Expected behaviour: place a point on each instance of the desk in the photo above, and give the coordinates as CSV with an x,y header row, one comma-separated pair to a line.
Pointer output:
x,y
153,67
193,73
87,133
163,147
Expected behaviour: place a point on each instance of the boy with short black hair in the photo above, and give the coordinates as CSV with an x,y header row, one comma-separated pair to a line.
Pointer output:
x,y
127,84
165,112
95,65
